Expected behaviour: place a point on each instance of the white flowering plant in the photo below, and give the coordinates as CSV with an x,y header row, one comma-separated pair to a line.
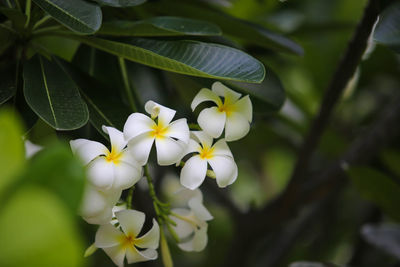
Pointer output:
x,y
110,171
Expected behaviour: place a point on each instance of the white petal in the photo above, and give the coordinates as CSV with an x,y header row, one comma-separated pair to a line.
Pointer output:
x,y
116,254
221,148
131,221
164,114
182,228
191,147
31,148
151,239
205,95
169,151
126,175
194,172
108,236
199,210
203,138
93,202
244,107
212,121
225,170
101,173
133,255
96,205
117,139
199,241
221,90
140,147
179,130
237,126
183,195
87,150
136,124
102,218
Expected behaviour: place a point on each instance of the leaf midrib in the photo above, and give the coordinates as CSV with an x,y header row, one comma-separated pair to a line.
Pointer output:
x,y
47,91
68,14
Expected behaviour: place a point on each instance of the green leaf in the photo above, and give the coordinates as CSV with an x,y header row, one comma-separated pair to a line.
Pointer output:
x,y
57,170
7,84
7,38
78,15
387,30
17,18
378,188
160,26
120,3
186,57
37,230
104,105
52,94
390,159
60,46
12,156
266,96
246,31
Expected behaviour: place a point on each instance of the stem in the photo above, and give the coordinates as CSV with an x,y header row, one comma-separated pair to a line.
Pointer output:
x,y
46,30
166,255
27,12
194,126
41,21
129,198
183,218
126,83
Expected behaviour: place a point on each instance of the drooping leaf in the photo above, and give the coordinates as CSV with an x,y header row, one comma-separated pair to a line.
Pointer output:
x,y
160,26
378,188
57,170
387,30
386,237
120,3
12,156
38,230
78,15
246,31
186,57
17,18
104,105
53,95
7,84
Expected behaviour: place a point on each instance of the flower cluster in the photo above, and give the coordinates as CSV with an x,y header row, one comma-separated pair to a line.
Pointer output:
x,y
120,167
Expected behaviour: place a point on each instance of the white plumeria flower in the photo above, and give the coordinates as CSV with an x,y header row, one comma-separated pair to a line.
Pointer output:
x,y
108,170
218,156
191,224
171,138
118,244
96,207
233,114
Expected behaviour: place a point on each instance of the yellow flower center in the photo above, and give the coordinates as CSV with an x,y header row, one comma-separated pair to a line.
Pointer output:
x,y
158,131
207,152
128,241
113,156
227,107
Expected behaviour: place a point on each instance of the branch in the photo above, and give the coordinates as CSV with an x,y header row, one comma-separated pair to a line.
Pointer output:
x,y
344,72
257,224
